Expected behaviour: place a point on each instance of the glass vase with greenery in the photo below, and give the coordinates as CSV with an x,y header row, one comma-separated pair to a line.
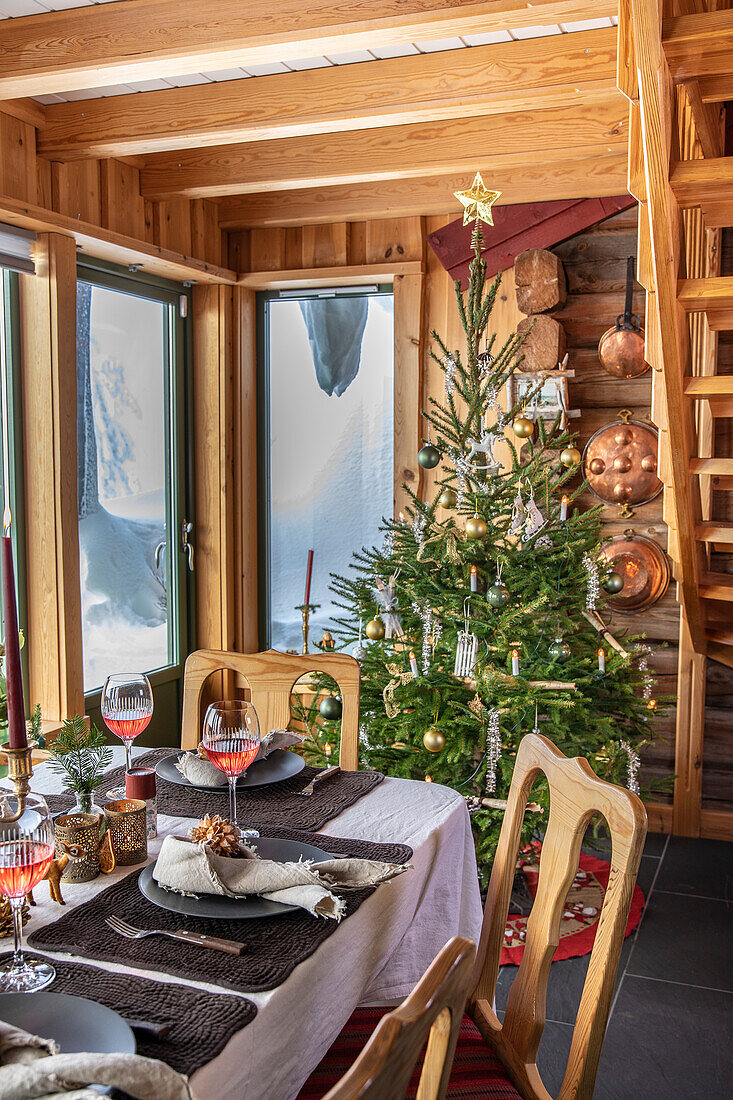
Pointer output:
x,y
81,757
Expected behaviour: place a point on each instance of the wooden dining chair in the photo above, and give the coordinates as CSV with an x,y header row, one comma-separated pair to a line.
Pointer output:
x,y
270,677
432,1013
498,1059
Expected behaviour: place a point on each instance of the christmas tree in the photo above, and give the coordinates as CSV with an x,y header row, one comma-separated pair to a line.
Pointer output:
x,y
479,608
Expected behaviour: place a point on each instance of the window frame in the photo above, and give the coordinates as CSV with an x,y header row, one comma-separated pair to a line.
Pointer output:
x,y
11,363
178,399
263,299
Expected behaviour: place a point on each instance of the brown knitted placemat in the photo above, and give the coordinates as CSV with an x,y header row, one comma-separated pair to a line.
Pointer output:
x,y
201,1023
276,804
275,945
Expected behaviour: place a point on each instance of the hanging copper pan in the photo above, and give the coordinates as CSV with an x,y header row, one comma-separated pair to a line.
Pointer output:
x,y
645,569
620,463
621,348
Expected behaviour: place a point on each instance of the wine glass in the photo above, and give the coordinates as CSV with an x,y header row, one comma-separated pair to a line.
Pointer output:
x,y
26,851
231,741
127,707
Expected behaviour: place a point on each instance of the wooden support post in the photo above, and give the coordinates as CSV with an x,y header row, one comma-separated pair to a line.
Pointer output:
x,y
689,736
48,343
409,306
214,466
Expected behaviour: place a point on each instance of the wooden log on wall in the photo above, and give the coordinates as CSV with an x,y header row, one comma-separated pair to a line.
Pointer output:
x,y
545,342
48,343
540,280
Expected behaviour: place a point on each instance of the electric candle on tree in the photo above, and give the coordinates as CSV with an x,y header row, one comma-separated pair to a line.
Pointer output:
x,y
474,579
515,663
17,738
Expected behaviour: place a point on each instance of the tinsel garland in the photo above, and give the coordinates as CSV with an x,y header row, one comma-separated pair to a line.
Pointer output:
x,y
632,767
450,374
492,751
398,678
593,582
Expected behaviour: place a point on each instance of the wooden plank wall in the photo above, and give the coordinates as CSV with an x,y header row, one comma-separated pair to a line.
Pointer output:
x,y
104,193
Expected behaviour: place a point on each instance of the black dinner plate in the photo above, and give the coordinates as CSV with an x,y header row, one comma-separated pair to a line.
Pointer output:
x,y
216,907
279,765
76,1023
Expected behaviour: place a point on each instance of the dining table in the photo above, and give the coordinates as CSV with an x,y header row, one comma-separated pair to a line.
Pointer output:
x,y
374,956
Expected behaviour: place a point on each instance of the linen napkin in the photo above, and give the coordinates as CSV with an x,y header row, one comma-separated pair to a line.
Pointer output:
x,y
197,769
31,1068
189,868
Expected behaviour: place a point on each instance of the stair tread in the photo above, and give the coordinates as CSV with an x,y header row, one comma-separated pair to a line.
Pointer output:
x,y
719,466
712,385
707,295
709,180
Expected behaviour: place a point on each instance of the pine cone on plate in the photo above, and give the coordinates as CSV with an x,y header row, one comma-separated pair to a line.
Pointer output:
x,y
201,751
219,833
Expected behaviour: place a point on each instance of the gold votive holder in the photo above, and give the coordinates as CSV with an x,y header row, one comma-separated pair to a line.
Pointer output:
x,y
126,823
77,835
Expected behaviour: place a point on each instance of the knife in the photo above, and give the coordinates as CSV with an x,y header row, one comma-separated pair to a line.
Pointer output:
x,y
318,779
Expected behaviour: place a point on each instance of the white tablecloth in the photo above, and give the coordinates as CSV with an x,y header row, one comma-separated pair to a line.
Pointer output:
x,y
376,955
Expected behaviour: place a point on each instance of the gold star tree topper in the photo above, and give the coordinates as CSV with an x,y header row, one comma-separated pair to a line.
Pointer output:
x,y
477,202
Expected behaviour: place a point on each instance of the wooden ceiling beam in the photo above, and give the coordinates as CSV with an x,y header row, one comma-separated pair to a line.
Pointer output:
x,y
142,39
538,73
396,152
598,175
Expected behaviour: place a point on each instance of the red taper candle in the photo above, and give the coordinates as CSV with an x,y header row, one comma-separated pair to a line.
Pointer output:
x,y
308,574
17,738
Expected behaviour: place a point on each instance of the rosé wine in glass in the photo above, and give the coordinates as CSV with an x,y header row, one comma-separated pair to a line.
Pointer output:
x,y
26,851
231,741
127,707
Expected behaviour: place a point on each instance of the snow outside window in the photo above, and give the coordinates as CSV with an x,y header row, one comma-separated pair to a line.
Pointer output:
x,y
331,445
122,368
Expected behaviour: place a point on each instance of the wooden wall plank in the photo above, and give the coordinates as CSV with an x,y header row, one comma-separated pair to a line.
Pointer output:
x,y
77,190
172,225
123,209
206,242
409,358
689,736
17,158
324,245
48,343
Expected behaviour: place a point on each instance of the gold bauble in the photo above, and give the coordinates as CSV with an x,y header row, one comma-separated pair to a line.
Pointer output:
x,y
523,427
447,498
433,740
571,456
375,630
475,527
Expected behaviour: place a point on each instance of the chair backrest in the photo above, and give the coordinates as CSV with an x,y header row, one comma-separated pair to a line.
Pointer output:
x,y
432,1012
576,794
271,676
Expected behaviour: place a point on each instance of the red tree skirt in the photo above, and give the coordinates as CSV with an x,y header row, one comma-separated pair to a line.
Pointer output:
x,y
581,913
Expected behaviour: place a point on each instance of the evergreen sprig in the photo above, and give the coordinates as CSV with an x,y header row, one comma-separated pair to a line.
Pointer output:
x,y
80,755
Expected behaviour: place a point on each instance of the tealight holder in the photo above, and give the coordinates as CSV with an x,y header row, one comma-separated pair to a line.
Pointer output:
x,y
80,832
126,823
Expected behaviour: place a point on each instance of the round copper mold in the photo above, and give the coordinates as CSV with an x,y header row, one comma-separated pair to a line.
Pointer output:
x,y
645,569
621,351
620,462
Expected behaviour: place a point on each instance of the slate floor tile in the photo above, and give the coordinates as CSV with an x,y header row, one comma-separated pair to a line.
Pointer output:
x,y
666,1041
685,939
695,867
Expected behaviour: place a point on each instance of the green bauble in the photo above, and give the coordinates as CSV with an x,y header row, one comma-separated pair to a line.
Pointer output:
x,y
560,651
447,498
475,527
433,740
428,456
613,582
498,595
330,708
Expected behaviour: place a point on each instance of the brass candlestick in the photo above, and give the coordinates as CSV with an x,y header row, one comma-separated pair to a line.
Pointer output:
x,y
305,610
20,770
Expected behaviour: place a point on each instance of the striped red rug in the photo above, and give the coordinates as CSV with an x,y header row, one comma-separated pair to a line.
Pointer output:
x,y
581,913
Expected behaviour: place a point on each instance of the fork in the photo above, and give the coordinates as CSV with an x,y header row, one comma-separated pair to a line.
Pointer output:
x,y
122,928
318,779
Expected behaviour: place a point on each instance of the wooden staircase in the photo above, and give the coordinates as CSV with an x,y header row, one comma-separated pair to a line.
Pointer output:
x,y
675,65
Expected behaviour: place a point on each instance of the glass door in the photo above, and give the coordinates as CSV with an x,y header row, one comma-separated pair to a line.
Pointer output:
x,y
135,522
